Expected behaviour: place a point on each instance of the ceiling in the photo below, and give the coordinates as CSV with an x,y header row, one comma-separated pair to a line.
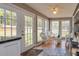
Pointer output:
x,y
64,9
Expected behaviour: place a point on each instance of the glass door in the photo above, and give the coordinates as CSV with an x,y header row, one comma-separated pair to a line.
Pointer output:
x,y
65,28
28,31
55,28
39,29
1,23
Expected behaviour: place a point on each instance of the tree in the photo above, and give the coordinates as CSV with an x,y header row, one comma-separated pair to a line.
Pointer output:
x,y
1,15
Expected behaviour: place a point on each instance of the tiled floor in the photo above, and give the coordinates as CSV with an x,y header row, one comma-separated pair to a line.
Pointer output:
x,y
50,49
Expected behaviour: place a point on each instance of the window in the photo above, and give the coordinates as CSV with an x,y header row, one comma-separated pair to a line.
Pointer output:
x,y
65,28
55,28
1,22
39,28
46,26
7,23
14,24
10,23
28,30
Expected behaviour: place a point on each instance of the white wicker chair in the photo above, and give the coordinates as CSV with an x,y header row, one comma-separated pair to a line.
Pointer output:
x,y
43,36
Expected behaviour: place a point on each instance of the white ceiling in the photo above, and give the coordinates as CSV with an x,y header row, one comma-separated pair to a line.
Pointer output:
x,y
65,9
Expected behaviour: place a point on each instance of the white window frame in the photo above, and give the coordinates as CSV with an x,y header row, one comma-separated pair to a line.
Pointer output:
x,y
9,8
26,43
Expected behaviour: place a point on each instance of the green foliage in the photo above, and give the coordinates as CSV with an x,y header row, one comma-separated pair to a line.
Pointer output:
x,y
1,21
1,15
8,21
1,12
9,16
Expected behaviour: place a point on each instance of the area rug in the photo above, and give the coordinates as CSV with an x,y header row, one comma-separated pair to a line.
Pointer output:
x,y
33,52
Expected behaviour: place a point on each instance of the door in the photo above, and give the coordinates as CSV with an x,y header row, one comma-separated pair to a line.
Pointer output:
x,y
40,28
28,31
65,28
55,28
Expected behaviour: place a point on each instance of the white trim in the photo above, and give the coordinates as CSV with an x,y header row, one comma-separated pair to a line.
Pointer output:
x,y
76,12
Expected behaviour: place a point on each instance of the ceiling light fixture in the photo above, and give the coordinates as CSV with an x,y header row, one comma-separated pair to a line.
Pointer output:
x,y
54,11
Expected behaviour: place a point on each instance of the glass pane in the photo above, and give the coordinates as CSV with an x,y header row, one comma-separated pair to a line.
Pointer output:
x,y
38,34
1,23
39,22
13,24
65,28
39,29
1,28
55,28
1,12
13,15
13,19
8,14
28,23
26,35
46,25
29,38
28,30
8,23
64,33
